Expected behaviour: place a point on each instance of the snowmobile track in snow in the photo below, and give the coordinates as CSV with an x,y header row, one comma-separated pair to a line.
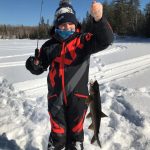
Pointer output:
x,y
12,64
19,55
121,69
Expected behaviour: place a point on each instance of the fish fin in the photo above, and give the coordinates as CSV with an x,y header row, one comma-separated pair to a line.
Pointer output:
x,y
93,139
91,127
103,115
89,115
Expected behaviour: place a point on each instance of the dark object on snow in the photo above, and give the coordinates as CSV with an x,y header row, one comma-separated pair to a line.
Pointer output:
x,y
8,144
95,111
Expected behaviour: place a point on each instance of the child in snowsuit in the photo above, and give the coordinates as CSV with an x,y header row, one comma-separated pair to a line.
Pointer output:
x,y
67,55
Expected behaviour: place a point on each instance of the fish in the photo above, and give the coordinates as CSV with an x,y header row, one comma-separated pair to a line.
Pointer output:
x,y
94,103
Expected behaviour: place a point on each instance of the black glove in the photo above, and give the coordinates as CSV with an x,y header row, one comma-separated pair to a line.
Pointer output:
x,y
34,69
30,63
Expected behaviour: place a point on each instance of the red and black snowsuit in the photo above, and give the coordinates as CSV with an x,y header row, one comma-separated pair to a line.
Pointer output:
x,y
67,79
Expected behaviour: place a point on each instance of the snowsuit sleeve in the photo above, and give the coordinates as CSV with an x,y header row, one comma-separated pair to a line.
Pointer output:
x,y
99,38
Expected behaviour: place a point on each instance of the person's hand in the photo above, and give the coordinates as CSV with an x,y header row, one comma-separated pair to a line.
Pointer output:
x,y
96,10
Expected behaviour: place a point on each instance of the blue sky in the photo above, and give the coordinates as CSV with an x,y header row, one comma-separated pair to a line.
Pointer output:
x,y
27,12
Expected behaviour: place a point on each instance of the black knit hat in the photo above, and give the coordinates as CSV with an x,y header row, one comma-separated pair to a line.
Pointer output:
x,y
65,13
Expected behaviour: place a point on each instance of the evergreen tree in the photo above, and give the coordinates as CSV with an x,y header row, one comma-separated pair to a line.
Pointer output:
x,y
87,23
43,30
147,20
108,10
120,17
134,15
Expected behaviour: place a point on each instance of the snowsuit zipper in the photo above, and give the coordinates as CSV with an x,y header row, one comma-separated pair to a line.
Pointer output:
x,y
62,72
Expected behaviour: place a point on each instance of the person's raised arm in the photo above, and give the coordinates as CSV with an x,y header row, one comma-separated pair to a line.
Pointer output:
x,y
101,34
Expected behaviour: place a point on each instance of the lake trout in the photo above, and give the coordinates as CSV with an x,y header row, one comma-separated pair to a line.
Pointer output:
x,y
96,113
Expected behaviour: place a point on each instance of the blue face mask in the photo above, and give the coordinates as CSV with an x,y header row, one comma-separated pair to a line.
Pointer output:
x,y
63,33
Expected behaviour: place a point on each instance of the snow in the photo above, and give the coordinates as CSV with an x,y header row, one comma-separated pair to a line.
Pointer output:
x,y
123,72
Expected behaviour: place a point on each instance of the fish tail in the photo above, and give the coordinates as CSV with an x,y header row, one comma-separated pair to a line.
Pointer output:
x,y
93,139
96,139
99,143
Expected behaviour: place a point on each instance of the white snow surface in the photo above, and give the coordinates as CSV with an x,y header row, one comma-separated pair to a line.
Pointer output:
x,y
123,72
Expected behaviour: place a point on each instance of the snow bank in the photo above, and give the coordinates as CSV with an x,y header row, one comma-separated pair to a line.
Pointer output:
x,y
22,119
125,127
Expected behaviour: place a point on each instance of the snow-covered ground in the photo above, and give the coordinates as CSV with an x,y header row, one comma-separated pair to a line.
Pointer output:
x,y
123,72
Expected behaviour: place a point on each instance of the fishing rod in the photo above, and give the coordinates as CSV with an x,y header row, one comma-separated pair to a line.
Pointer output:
x,y
39,21
36,53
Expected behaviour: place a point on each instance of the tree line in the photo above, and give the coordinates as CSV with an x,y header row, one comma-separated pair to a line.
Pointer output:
x,y
125,17
40,31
